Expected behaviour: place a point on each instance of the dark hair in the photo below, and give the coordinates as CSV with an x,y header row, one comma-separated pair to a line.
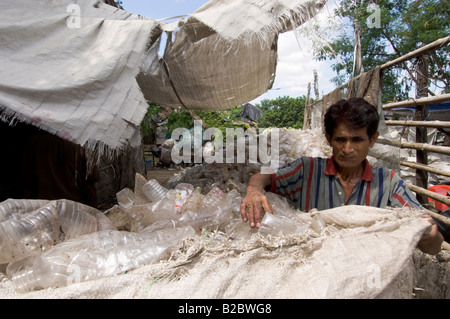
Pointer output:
x,y
355,112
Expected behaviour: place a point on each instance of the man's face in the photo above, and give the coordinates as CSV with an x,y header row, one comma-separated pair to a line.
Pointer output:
x,y
350,146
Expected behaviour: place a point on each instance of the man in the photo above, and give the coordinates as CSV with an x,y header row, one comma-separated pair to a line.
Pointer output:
x,y
347,178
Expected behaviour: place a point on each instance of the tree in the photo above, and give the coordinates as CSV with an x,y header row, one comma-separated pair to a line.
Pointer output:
x,y
404,26
282,112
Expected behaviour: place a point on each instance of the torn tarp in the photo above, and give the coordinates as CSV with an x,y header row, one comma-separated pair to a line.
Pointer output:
x,y
250,113
84,70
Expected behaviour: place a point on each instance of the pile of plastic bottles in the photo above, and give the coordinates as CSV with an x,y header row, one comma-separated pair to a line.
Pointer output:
x,y
57,243
229,175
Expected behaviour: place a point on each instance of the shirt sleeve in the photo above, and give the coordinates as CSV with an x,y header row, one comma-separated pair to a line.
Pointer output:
x,y
401,195
287,181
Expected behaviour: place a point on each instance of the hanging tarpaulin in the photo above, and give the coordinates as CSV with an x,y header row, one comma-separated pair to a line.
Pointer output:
x,y
85,70
250,113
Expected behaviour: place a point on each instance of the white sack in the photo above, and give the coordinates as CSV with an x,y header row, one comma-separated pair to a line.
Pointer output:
x,y
364,258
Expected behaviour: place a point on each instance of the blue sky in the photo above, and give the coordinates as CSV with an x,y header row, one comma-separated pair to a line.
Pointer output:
x,y
160,9
295,64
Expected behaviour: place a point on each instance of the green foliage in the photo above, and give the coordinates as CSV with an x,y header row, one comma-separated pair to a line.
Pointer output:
x,y
148,124
221,119
405,26
178,119
282,112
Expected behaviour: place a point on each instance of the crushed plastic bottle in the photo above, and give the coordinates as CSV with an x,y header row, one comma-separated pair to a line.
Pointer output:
x,y
212,216
137,214
318,223
237,229
125,198
77,219
193,202
279,225
183,190
165,208
93,256
154,191
28,233
213,198
235,199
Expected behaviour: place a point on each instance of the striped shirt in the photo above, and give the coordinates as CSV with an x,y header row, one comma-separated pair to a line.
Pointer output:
x,y
313,183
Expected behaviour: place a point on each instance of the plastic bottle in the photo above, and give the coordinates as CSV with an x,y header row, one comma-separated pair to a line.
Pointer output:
x,y
318,223
153,190
77,219
94,256
137,214
213,198
183,191
163,209
235,199
211,216
125,198
279,225
30,233
10,207
237,229
193,202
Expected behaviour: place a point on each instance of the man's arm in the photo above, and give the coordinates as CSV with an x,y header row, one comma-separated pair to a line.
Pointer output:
x,y
431,241
255,201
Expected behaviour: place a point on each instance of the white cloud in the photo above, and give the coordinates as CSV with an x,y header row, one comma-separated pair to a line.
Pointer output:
x,y
296,62
295,69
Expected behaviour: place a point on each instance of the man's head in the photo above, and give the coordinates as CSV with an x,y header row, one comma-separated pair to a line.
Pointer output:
x,y
355,112
351,128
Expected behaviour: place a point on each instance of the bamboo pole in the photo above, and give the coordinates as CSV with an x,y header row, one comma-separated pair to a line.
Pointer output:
x,y
417,146
439,217
434,124
420,101
432,46
425,168
441,198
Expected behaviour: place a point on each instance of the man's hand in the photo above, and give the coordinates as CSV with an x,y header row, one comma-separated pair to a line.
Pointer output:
x,y
253,206
431,241
255,202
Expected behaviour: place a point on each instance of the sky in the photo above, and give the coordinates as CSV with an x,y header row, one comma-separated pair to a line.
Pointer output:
x,y
295,68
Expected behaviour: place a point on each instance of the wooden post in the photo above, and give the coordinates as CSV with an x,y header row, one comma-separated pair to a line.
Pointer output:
x,y
422,132
357,64
307,113
316,85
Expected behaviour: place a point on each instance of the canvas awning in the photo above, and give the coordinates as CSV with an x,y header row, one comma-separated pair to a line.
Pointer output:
x,y
85,70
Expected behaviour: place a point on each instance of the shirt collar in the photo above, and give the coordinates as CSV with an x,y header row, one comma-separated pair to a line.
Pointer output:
x,y
366,176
